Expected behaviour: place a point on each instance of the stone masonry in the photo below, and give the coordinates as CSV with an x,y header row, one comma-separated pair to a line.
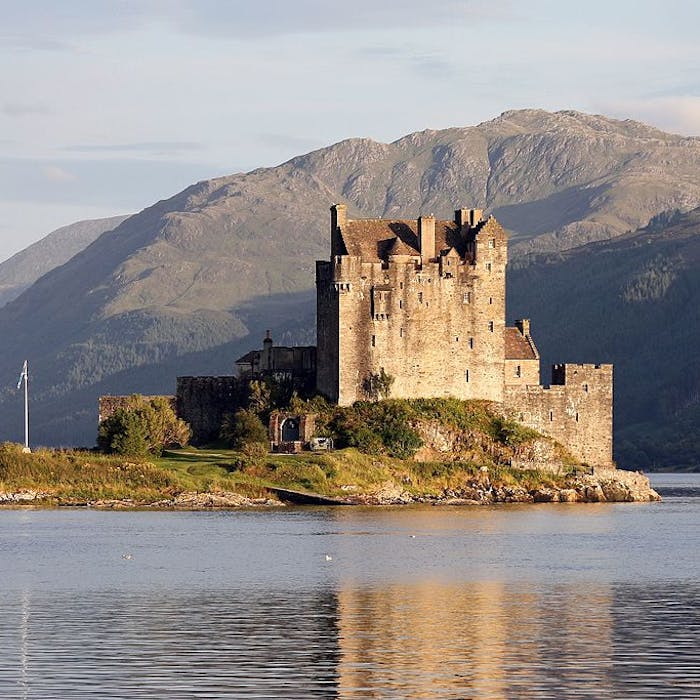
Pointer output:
x,y
424,301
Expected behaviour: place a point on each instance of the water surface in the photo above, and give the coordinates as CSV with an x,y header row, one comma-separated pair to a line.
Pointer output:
x,y
520,601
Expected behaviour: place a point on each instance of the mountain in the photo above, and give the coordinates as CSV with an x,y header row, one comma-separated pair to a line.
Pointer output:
x,y
187,284
24,268
633,301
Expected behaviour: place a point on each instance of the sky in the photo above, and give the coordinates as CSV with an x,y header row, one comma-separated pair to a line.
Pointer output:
x,y
107,106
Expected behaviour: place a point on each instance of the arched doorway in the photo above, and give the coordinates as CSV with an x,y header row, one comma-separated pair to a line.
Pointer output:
x,y
290,430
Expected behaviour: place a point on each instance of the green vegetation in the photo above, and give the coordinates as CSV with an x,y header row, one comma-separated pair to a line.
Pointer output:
x,y
76,476
242,428
378,444
143,426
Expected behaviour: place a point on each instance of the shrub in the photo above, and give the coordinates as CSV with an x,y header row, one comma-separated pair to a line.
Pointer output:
x,y
243,427
376,428
143,426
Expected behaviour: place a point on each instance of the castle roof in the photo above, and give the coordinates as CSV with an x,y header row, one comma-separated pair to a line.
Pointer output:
x,y
519,346
400,247
249,358
373,239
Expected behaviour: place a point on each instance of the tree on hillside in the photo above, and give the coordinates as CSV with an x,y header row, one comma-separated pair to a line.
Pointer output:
x,y
142,426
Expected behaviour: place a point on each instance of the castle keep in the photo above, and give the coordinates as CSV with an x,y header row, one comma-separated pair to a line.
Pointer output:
x,y
414,309
424,303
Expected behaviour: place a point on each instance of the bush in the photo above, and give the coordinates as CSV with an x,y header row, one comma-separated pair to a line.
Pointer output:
x,y
376,428
142,426
242,428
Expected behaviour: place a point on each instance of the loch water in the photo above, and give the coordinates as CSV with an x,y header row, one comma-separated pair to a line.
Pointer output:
x,y
516,601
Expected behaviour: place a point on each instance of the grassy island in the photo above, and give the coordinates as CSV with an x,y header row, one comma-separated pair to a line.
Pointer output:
x,y
392,452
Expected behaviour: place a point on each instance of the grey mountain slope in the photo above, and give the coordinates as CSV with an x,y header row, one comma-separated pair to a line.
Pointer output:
x,y
24,268
229,257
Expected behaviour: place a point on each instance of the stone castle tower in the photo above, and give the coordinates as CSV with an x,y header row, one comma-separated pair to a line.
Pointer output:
x,y
424,302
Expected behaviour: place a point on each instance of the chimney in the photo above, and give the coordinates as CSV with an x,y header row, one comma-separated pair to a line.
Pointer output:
x,y
339,219
523,325
266,360
461,217
426,237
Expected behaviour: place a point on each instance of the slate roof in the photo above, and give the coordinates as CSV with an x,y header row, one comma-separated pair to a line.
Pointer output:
x,y
519,347
373,239
249,358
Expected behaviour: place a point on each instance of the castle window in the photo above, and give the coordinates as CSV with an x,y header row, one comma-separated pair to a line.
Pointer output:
x,y
517,371
490,300
551,415
488,267
400,303
491,326
456,339
466,375
467,298
400,285
577,416
420,297
374,341
492,243
400,332
471,343
585,387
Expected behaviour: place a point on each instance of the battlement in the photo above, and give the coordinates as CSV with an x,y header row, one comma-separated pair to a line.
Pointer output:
x,y
570,373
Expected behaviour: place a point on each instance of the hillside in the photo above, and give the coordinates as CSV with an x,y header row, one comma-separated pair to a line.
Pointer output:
x,y
24,268
633,301
189,283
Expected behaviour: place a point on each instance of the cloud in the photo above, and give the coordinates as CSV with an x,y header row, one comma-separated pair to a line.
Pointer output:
x,y
150,147
54,173
49,22
20,109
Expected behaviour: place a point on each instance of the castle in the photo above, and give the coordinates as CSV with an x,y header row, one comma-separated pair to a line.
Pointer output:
x,y
423,303
417,308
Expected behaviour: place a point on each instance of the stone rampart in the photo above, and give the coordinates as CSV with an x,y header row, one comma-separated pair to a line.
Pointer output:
x,y
576,410
202,402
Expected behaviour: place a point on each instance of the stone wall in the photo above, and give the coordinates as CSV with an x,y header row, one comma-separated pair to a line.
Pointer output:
x,y
203,401
576,410
435,325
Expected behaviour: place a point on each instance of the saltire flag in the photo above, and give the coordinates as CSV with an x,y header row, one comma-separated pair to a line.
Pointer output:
x,y
23,375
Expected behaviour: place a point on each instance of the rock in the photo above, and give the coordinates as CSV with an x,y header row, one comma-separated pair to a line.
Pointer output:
x,y
568,496
544,495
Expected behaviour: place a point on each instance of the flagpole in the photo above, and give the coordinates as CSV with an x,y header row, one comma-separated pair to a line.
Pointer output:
x,y
26,407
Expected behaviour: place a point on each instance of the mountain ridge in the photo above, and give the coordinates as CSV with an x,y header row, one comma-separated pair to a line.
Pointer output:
x,y
195,272
22,269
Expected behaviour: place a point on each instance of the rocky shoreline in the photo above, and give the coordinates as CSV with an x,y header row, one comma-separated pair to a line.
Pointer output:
x,y
603,486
